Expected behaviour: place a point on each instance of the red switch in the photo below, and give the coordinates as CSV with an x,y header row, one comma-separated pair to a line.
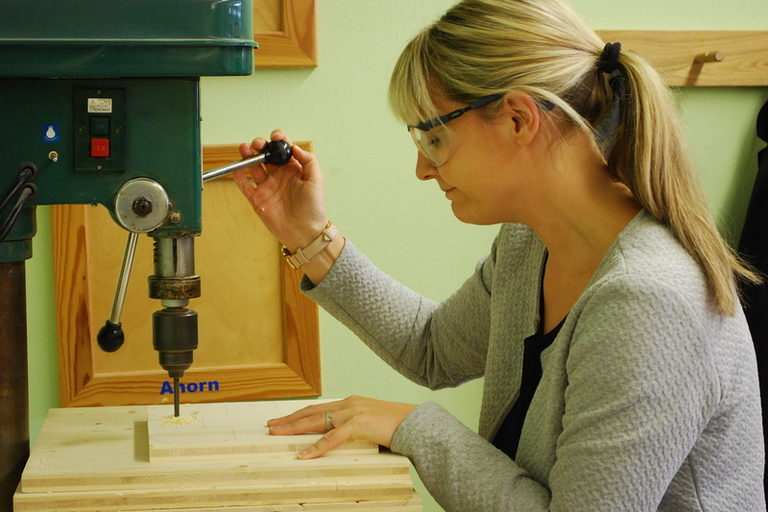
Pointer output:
x,y
99,147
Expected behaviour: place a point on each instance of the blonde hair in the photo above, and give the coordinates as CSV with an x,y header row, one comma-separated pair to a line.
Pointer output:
x,y
542,47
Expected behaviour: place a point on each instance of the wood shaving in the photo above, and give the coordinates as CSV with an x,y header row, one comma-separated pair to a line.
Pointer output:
x,y
180,420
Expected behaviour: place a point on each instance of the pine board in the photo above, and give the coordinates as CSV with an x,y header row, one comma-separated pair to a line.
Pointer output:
x,y
236,429
97,459
412,505
347,490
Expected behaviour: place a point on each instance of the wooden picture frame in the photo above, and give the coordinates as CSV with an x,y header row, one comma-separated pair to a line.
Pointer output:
x,y
285,32
85,285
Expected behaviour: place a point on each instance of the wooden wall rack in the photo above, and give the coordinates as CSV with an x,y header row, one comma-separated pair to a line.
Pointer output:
x,y
700,57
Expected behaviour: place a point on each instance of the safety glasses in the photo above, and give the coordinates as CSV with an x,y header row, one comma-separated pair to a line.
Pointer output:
x,y
436,141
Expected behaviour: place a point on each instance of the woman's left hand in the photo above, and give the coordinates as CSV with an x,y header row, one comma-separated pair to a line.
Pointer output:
x,y
355,418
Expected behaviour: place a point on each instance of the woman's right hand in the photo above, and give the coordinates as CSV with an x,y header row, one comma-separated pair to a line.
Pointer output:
x,y
289,199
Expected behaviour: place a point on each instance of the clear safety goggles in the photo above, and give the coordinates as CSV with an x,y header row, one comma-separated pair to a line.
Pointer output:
x,y
436,141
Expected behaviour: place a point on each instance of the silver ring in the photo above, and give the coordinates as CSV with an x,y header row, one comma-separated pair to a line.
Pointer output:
x,y
328,420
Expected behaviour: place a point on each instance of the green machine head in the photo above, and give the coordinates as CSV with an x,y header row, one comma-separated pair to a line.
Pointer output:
x,y
96,93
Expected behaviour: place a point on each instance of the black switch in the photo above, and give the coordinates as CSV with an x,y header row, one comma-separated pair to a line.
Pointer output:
x,y
99,125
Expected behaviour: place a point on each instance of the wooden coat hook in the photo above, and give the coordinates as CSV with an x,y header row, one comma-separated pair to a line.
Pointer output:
x,y
703,58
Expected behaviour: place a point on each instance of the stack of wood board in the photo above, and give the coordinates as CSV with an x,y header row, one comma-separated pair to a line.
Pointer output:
x,y
101,459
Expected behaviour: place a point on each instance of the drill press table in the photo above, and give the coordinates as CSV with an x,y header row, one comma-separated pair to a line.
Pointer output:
x,y
132,458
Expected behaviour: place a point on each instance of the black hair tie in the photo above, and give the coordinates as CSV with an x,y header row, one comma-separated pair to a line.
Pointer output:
x,y
611,119
609,59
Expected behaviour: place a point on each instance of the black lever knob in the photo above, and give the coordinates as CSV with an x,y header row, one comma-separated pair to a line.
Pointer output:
x,y
110,337
277,152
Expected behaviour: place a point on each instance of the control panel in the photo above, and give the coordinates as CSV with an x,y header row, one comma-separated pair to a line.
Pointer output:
x,y
99,123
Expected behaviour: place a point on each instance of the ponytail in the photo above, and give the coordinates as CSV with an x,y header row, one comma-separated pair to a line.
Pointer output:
x,y
649,155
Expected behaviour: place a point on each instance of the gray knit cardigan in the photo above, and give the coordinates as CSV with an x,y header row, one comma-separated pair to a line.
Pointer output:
x,y
648,400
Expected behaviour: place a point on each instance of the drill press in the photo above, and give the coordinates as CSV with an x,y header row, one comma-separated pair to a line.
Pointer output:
x,y
174,328
100,104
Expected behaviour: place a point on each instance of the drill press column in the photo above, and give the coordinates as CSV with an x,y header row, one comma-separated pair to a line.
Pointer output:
x,y
14,407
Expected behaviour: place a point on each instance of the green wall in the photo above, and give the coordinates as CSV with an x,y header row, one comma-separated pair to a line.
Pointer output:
x,y
406,226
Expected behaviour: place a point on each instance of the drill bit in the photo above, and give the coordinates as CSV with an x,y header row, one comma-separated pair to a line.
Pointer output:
x,y
176,397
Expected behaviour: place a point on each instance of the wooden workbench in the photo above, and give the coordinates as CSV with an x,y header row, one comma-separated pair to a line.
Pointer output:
x,y
97,459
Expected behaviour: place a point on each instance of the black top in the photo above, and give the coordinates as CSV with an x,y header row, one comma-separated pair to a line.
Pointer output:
x,y
508,435
754,248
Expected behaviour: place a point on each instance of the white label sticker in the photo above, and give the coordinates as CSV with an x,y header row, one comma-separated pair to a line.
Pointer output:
x,y
99,105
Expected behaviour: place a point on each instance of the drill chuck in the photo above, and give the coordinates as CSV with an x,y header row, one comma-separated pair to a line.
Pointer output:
x,y
174,333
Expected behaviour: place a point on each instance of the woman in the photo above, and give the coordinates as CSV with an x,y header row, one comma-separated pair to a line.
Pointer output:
x,y
619,370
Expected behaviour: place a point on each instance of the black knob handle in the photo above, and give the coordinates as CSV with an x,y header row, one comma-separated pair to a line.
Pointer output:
x,y
277,152
110,337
